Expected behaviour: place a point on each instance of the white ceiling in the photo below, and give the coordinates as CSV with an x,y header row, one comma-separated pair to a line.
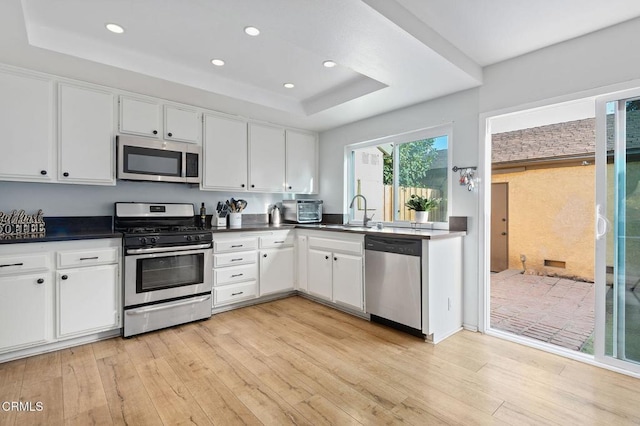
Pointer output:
x,y
390,53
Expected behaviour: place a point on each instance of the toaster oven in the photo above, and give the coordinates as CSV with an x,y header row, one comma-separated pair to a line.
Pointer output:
x,y
302,211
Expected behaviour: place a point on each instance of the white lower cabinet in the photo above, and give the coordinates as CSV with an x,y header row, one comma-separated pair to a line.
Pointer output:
x,y
347,280
54,291
25,308
87,299
302,252
320,278
335,268
87,287
277,262
276,270
235,269
247,265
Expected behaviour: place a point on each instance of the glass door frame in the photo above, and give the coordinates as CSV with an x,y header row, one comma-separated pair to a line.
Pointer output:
x,y
603,225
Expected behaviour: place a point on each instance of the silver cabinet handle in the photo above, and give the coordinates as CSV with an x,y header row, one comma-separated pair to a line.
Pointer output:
x,y
236,275
142,311
238,293
89,258
278,242
167,249
236,260
12,264
237,245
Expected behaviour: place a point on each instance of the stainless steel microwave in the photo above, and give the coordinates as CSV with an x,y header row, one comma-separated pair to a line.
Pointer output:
x,y
157,160
302,211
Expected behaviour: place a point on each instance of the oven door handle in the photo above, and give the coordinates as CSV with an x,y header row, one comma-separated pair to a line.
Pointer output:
x,y
142,311
168,249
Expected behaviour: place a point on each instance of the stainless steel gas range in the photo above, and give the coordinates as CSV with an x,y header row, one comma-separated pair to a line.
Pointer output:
x,y
167,265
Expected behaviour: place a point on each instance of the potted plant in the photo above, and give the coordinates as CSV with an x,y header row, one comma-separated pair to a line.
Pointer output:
x,y
422,206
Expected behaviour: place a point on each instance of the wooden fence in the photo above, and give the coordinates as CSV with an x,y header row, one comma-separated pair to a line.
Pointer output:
x,y
437,215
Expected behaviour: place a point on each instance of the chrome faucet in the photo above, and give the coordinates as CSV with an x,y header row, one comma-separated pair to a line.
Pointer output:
x,y
365,219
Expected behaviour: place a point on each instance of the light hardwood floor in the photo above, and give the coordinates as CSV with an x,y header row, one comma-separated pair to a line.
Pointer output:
x,y
293,361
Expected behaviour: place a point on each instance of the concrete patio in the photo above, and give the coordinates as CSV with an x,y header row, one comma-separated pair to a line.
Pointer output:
x,y
550,309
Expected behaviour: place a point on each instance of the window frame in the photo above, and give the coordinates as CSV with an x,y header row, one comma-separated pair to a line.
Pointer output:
x,y
397,140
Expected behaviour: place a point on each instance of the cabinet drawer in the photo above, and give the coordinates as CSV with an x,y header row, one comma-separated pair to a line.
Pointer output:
x,y
235,274
232,259
239,244
68,259
284,239
354,247
23,263
234,293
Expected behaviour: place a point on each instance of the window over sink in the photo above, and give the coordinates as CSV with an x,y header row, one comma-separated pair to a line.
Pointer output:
x,y
389,170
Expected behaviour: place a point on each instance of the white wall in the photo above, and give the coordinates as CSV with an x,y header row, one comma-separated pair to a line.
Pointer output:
x,y
573,68
594,64
88,200
461,109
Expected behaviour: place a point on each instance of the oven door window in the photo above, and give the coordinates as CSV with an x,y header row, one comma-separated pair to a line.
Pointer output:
x,y
149,161
156,273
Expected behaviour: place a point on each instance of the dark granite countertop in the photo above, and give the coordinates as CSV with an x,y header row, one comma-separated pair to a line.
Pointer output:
x,y
256,227
93,227
67,229
388,231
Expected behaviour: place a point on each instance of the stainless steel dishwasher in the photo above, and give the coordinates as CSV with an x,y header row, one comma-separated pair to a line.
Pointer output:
x,y
393,282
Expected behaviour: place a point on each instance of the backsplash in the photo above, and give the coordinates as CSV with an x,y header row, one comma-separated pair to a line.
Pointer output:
x,y
89,200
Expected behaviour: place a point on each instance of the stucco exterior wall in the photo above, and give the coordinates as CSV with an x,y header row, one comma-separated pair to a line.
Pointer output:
x,y
551,217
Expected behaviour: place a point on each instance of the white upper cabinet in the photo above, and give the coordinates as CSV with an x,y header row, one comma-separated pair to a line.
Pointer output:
x,y
140,117
266,158
181,124
26,118
224,153
85,135
144,117
301,162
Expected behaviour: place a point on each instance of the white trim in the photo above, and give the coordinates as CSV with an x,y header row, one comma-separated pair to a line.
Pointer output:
x,y
608,92
398,139
601,244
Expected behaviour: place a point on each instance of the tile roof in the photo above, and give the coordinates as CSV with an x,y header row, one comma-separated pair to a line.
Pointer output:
x,y
561,140
572,138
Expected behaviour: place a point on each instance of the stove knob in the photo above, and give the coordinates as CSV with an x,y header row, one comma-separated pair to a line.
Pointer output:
x,y
143,240
189,237
153,240
197,237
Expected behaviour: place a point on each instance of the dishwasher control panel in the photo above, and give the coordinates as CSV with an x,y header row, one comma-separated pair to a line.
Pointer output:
x,y
406,246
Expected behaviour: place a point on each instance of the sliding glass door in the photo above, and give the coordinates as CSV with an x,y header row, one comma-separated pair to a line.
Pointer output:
x,y
617,339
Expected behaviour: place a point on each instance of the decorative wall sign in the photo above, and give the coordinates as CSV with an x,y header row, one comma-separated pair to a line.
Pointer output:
x,y
19,223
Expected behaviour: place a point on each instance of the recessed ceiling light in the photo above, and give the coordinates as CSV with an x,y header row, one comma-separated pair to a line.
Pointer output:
x,y
329,64
289,85
252,31
217,62
115,28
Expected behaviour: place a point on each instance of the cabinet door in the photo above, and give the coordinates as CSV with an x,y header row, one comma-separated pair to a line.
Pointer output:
x,y
87,299
266,158
181,124
347,280
276,270
225,153
139,117
24,309
26,113
302,264
301,163
86,137
319,280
